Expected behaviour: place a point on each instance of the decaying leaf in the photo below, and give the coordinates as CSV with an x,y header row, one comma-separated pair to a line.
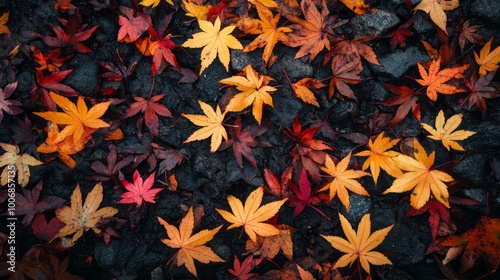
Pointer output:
x,y
252,216
269,246
446,131
359,244
16,164
191,247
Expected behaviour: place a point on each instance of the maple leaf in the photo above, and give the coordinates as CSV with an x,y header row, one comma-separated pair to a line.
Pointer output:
x,y
168,156
302,90
64,5
58,270
311,34
380,157
269,33
44,230
243,140
435,80
242,270
10,107
277,188
308,152
106,172
445,131
154,3
79,121
302,196
151,109
468,34
253,91
487,61
357,6
51,83
4,29
199,12
133,24
343,179
420,178
251,216
436,8
117,72
215,42
267,3
359,245
406,99
343,73
81,216
268,247
73,35
16,163
482,241
191,247
139,190
480,90
352,51
399,36
28,204
212,126
50,61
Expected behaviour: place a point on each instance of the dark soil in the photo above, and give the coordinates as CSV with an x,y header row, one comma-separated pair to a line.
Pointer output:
x,y
206,179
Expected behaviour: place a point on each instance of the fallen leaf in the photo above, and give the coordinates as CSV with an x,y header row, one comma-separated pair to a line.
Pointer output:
x,y
64,5
487,61
192,9
16,164
468,34
4,29
212,126
215,42
151,109
343,73
242,270
113,166
398,37
132,24
436,8
357,6
72,36
252,216
253,91
406,99
268,247
277,188
50,61
267,3
379,157
80,216
446,131
10,107
481,89
302,196
359,244
420,178
191,247
154,3
304,274
139,190
28,204
302,90
52,83
343,179
44,230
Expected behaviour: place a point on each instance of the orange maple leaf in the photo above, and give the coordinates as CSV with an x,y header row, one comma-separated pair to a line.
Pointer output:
x,y
488,61
302,90
435,80
357,6
4,29
79,121
191,247
269,33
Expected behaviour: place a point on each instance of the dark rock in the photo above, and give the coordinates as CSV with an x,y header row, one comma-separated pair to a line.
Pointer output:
x,y
471,169
240,59
373,24
359,205
394,65
114,255
421,22
143,258
476,194
25,81
343,110
141,85
83,79
295,68
408,127
486,138
285,108
487,9
398,2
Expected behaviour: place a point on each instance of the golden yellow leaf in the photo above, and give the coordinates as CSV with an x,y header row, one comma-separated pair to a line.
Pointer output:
x,y
269,33
488,61
420,178
199,12
82,217
16,164
435,80
253,91
357,6
79,121
212,126
269,246
380,157
267,3
191,247
154,3
215,42
445,131
343,179
4,29
436,8
252,216
359,244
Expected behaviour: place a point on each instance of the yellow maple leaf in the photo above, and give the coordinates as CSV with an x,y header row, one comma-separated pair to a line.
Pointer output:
x,y
488,61
359,244
380,157
215,42
16,164
191,247
253,90
269,33
343,179
212,126
154,3
79,121
82,217
4,29
267,3
357,6
436,8
445,131
435,80
199,12
252,216
420,178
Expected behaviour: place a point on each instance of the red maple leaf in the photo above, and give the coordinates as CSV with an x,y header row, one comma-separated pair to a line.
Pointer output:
x,y
308,152
302,196
399,36
51,83
406,99
243,140
161,46
133,24
44,230
28,204
277,188
139,190
73,35
241,271
151,109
